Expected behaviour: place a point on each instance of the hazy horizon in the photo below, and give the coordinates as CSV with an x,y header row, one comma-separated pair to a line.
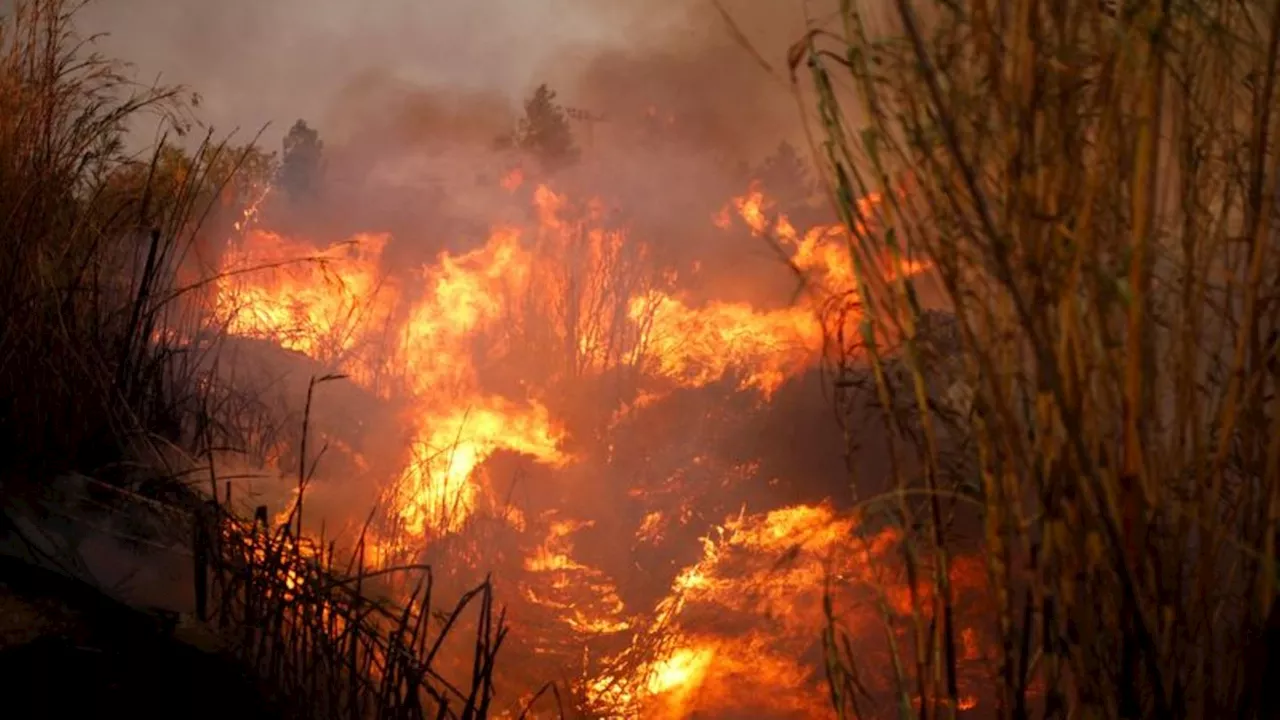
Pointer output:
x,y
272,62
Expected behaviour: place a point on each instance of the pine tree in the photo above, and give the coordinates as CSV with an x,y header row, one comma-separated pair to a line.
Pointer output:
x,y
784,177
544,131
301,162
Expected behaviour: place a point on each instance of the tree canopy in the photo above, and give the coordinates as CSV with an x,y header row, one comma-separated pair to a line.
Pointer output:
x,y
544,131
302,162
785,177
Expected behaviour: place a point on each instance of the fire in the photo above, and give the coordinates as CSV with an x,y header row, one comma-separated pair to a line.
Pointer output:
x,y
737,622
697,346
681,673
822,252
761,578
317,303
336,305
437,490
478,350
553,563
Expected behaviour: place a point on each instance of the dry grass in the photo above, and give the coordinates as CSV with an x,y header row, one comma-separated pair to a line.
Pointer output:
x,y
1095,186
333,637
94,254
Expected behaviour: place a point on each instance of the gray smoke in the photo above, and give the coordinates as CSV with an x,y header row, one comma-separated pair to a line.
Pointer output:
x,y
273,61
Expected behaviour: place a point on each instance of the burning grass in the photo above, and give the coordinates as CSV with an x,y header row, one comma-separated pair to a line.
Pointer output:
x,y
338,638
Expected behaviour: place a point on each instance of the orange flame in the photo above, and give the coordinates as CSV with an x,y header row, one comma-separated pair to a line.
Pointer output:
x,y
572,298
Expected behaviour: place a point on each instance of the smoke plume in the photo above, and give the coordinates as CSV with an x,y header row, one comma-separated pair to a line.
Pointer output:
x,y
277,60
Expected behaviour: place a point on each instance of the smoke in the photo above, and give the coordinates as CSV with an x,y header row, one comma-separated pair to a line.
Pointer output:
x,y
717,87
274,61
277,60
409,95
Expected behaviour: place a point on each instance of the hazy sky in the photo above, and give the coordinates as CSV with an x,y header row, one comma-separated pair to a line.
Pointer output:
x,y
255,61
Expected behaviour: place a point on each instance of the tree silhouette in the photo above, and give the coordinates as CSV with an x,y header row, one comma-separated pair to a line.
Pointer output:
x,y
784,177
301,162
544,131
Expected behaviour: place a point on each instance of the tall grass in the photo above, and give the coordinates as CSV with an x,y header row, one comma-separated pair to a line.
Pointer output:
x,y
91,255
328,634
1095,187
